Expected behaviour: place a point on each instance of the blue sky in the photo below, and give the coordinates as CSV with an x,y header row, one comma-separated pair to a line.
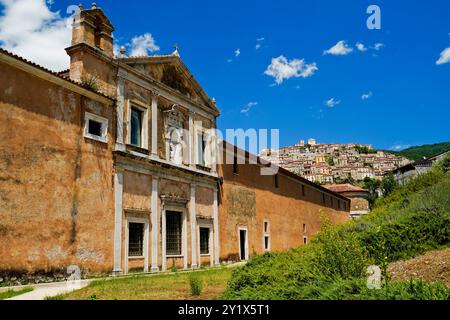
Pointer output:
x,y
407,95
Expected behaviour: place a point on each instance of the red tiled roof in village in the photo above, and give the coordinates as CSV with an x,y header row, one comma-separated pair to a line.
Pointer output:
x,y
338,188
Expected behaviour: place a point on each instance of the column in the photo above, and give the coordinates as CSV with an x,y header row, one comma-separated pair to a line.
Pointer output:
x,y
118,189
120,109
216,229
193,229
146,239
191,141
185,246
155,125
154,220
163,240
214,148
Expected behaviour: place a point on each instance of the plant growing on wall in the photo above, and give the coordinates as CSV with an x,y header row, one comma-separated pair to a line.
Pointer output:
x,y
90,81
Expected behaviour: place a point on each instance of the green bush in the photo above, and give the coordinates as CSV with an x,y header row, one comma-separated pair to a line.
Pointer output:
x,y
196,284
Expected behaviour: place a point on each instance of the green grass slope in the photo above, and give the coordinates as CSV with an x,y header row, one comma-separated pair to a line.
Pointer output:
x,y
412,220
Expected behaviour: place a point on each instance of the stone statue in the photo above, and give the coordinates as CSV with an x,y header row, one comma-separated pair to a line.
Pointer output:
x,y
175,147
374,277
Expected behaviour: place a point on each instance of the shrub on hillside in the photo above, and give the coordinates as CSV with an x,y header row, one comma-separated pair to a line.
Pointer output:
x,y
196,284
411,220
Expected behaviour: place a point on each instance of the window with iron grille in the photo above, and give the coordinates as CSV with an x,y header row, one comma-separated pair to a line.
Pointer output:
x,y
173,233
135,239
204,240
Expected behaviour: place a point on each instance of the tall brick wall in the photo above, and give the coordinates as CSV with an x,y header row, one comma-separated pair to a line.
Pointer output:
x,y
56,193
248,199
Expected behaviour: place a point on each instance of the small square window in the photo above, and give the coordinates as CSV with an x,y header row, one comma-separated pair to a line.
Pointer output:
x,y
204,241
305,240
96,127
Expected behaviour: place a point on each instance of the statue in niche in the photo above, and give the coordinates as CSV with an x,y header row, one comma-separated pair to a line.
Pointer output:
x,y
176,146
174,134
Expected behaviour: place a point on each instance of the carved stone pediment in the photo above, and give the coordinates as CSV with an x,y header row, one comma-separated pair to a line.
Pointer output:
x,y
173,199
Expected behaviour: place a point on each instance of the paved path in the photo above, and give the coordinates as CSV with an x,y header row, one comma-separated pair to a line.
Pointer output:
x,y
42,291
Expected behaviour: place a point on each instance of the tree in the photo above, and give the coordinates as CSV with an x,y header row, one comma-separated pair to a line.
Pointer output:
x,y
388,184
372,185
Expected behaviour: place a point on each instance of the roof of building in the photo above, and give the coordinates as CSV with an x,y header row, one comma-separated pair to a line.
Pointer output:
x,y
175,58
339,188
428,162
61,74
263,162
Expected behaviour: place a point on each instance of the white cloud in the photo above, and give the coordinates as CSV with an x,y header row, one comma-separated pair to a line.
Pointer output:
x,y
258,45
282,69
367,96
30,29
248,107
237,52
339,49
332,102
360,46
445,57
378,46
142,45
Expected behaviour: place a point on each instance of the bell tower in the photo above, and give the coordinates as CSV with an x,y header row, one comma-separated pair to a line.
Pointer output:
x,y
93,28
91,53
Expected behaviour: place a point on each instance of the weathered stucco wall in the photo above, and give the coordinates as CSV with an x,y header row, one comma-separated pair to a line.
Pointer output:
x,y
56,197
248,199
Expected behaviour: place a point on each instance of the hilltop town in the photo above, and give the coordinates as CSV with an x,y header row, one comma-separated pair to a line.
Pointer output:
x,y
334,163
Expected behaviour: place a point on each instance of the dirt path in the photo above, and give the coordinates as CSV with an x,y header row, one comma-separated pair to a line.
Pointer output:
x,y
433,266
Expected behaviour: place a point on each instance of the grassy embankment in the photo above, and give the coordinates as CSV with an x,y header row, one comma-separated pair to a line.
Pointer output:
x,y
172,286
409,222
11,293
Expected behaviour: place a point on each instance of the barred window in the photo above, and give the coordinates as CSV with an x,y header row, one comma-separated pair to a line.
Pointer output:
x,y
173,233
135,239
204,240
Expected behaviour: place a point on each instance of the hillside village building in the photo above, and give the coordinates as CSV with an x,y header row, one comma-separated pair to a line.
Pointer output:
x,y
126,177
405,173
331,162
359,198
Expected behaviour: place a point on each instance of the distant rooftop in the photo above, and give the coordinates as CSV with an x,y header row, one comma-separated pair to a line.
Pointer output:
x,y
338,188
